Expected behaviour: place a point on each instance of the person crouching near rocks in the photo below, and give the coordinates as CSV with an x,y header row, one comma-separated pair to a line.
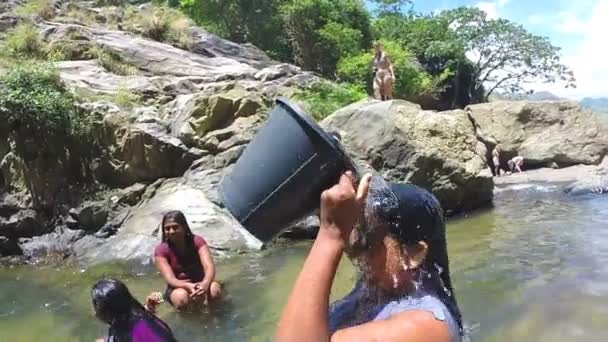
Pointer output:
x,y
185,263
404,293
129,321
516,163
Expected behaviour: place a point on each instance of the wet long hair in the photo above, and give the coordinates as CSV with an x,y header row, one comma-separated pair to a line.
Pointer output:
x,y
419,217
112,300
411,215
178,217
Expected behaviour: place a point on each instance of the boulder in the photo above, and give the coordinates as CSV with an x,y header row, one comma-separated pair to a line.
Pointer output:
x,y
140,232
593,185
542,132
73,42
146,152
56,243
91,216
163,59
8,20
9,247
435,150
22,223
210,45
193,116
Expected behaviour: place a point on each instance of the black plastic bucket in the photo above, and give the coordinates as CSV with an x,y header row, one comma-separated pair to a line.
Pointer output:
x,y
281,174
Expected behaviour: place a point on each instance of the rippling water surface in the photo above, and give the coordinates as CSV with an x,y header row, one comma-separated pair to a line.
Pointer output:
x,y
534,268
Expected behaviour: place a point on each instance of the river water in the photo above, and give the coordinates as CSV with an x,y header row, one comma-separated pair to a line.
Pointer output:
x,y
534,268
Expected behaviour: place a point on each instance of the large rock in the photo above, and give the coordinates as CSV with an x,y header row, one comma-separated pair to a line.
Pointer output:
x,y
57,243
21,223
210,45
163,59
146,152
193,116
8,20
140,232
595,185
541,132
437,151
90,216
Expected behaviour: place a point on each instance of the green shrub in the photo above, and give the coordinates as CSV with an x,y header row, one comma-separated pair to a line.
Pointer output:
x,y
324,98
125,98
34,102
161,24
25,41
111,61
42,8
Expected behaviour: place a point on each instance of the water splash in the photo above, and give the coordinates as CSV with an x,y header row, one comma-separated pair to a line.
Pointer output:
x,y
379,213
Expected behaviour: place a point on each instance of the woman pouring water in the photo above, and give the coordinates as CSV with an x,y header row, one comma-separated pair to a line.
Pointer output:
x,y
405,292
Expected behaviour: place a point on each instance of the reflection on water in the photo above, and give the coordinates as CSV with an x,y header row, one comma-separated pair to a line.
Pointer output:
x,y
535,268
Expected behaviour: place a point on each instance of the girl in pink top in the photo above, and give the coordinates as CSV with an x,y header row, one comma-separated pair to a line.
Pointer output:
x,y
184,261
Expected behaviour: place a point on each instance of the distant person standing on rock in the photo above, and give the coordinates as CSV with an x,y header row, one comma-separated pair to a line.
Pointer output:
x,y
385,76
496,160
516,164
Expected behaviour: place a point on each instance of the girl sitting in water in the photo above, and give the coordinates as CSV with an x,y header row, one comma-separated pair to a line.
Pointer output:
x,y
405,293
128,320
184,261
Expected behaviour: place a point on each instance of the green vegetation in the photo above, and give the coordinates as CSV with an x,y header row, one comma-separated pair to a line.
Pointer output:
x,y
42,8
333,38
507,55
111,61
35,104
25,42
125,98
161,24
258,22
42,120
324,98
442,60
411,81
322,31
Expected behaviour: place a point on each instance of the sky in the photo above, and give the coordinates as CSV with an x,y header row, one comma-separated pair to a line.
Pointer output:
x,y
579,27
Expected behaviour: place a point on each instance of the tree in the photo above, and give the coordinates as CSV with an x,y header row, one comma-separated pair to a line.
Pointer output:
x,y
438,49
322,31
412,82
254,21
505,55
391,6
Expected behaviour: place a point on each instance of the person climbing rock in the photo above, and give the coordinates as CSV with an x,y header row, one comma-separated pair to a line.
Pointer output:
x,y
405,291
385,76
184,261
516,163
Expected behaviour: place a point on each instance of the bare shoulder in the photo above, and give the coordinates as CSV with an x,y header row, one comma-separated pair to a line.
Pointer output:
x,y
414,325
424,324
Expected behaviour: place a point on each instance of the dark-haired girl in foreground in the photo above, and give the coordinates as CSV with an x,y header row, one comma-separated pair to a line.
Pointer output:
x,y
405,293
127,318
184,261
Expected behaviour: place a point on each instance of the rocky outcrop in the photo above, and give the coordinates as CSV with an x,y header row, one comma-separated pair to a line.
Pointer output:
x,y
146,152
596,185
437,151
542,132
